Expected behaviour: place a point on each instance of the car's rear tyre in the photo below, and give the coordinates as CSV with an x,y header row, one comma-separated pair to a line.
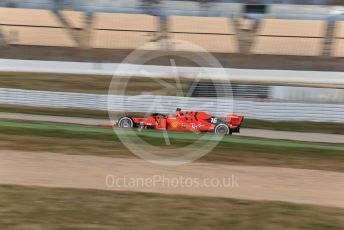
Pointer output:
x,y
125,122
222,129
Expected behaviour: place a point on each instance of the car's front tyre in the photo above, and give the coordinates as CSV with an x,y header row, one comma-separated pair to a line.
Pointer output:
x,y
125,122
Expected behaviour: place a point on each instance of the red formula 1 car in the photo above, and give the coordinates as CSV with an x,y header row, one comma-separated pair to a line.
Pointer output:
x,y
185,121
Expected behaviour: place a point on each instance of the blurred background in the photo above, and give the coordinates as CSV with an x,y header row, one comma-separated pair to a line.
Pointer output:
x,y
259,43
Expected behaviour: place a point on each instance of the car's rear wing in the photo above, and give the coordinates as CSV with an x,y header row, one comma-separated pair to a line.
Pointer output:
x,y
234,120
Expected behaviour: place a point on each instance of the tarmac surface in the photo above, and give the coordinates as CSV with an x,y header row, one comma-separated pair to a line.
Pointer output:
x,y
270,134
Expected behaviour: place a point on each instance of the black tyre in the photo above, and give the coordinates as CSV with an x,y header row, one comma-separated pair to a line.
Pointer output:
x,y
222,129
125,122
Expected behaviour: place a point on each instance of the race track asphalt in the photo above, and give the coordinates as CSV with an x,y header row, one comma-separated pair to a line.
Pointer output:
x,y
246,132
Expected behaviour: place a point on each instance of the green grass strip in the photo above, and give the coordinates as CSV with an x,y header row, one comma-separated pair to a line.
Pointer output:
x,y
157,134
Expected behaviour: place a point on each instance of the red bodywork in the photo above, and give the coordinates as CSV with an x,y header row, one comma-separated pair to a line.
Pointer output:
x,y
188,121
